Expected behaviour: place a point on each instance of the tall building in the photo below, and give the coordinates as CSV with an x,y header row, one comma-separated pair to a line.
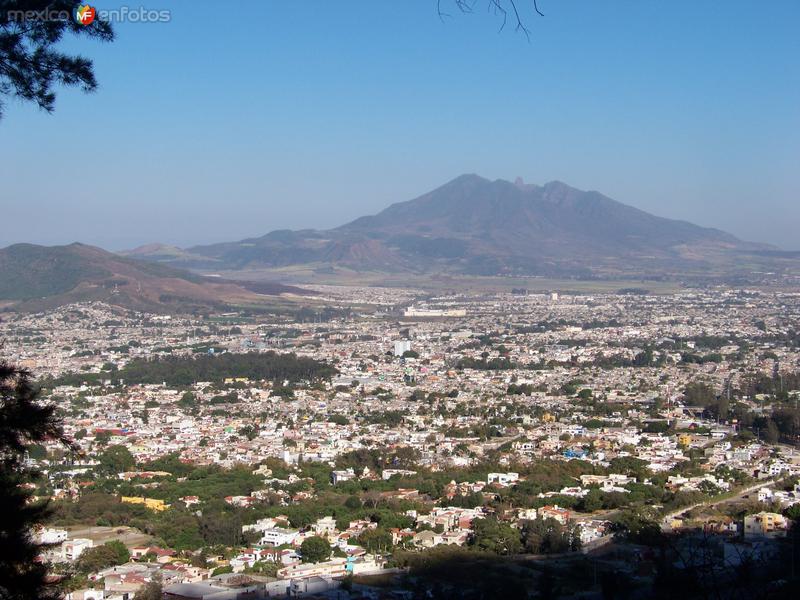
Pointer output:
x,y
401,347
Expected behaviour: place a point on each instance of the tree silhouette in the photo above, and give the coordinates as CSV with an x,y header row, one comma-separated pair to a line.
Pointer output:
x,y
504,9
24,421
31,66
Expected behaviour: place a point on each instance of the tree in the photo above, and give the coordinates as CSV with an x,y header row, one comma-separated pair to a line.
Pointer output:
x,y
630,465
101,557
771,433
702,394
338,419
375,540
638,526
262,567
793,512
188,400
249,431
490,535
116,459
592,501
221,528
24,421
120,551
30,65
152,590
315,549
353,502
545,536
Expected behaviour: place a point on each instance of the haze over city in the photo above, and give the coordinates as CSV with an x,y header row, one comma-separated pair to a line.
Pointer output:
x,y
229,122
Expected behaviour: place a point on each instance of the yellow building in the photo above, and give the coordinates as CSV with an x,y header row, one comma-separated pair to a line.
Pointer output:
x,y
151,503
765,523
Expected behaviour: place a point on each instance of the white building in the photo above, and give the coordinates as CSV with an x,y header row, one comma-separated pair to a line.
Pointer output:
x,y
325,526
433,312
260,525
389,473
345,475
277,536
502,478
401,347
49,535
312,585
72,549
336,567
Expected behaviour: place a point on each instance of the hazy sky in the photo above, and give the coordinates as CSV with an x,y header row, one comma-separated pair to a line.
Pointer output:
x,y
237,118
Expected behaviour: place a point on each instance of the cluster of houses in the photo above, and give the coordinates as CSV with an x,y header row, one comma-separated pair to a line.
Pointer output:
x,y
517,377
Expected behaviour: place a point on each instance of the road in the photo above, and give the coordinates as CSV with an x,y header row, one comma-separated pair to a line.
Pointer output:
x,y
711,502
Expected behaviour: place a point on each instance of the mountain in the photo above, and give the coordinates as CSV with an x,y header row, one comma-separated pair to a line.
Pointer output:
x,y
472,225
160,252
37,277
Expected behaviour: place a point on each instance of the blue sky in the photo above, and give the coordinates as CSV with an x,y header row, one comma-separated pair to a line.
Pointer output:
x,y
238,118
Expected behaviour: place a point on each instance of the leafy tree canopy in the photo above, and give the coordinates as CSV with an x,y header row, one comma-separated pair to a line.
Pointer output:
x,y
315,549
30,64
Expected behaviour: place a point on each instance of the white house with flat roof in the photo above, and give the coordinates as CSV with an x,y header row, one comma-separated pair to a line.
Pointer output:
x,y
277,536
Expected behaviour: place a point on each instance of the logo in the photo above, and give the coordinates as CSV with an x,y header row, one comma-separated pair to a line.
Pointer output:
x,y
85,14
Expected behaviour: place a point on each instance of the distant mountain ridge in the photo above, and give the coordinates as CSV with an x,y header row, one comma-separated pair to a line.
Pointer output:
x,y
472,225
36,277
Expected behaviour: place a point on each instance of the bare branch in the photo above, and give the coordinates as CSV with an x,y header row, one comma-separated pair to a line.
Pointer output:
x,y
441,14
520,25
498,7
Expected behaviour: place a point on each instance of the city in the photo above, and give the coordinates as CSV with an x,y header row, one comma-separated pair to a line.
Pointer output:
x,y
369,300
572,422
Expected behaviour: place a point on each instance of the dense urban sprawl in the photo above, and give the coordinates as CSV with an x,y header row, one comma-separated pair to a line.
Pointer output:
x,y
331,450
